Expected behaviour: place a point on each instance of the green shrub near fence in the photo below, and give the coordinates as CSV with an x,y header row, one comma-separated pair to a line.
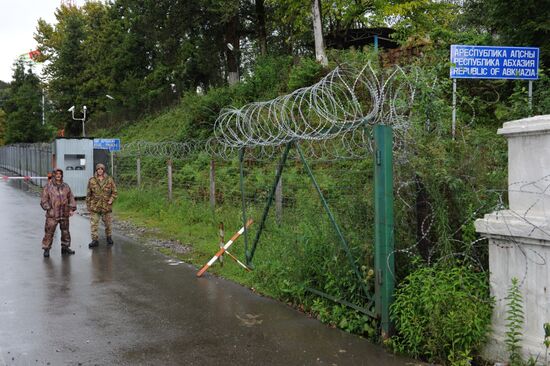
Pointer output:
x,y
442,313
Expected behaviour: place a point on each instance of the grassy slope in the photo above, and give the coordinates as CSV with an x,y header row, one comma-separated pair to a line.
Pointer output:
x,y
162,127
192,223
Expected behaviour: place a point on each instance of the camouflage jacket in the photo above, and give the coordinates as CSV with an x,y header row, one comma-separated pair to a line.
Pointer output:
x,y
57,200
99,194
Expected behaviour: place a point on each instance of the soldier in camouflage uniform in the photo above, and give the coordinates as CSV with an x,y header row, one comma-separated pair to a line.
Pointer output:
x,y
99,200
59,203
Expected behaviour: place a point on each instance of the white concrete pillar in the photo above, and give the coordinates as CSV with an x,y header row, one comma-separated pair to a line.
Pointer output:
x,y
519,237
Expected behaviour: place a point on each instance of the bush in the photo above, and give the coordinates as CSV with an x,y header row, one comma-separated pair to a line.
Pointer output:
x,y
441,312
306,73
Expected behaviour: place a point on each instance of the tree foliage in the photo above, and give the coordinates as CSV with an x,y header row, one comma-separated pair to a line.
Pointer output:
x,y
24,108
420,19
513,22
2,127
147,54
62,46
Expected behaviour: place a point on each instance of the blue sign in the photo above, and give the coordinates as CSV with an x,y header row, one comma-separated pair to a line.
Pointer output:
x,y
107,144
490,62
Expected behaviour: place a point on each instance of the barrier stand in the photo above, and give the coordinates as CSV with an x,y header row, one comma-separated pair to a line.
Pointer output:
x,y
238,261
222,241
224,249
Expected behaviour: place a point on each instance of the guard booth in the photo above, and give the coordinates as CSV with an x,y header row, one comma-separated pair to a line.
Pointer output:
x,y
76,157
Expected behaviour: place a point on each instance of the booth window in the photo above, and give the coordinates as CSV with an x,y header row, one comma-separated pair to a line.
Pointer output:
x,y
75,162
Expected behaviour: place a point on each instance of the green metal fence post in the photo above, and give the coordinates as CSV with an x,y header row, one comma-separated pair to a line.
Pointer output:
x,y
343,241
280,168
384,257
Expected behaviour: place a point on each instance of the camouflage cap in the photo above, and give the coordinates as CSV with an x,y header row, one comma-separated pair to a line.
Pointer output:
x,y
99,166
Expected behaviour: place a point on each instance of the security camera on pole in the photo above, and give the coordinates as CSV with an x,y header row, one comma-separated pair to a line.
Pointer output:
x,y
83,119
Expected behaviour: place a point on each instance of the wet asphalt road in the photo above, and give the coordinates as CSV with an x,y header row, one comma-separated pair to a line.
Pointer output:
x,y
129,305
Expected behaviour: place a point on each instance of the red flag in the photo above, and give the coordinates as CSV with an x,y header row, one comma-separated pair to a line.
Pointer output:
x,y
34,54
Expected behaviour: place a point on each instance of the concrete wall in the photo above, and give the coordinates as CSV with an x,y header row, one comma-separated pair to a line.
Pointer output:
x,y
519,237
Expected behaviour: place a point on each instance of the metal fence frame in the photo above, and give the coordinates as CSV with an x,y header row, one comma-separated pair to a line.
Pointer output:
x,y
32,160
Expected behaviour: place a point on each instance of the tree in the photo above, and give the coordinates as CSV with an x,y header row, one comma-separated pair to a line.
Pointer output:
x,y
4,94
24,108
63,47
513,22
4,91
418,19
233,47
318,33
261,26
2,127
299,26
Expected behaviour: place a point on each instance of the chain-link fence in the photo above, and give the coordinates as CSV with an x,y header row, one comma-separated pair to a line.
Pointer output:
x,y
297,227
28,160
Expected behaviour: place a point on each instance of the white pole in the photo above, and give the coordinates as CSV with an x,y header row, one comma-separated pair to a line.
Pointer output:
x,y
138,162
279,200
170,180
212,185
453,126
43,117
83,121
530,98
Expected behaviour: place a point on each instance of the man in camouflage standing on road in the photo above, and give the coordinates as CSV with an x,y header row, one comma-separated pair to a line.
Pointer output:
x,y
99,200
59,203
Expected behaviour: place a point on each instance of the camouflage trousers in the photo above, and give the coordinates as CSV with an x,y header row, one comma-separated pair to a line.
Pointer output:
x,y
107,221
49,230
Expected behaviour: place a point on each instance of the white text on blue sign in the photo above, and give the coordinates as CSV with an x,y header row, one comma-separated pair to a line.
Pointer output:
x,y
489,62
107,144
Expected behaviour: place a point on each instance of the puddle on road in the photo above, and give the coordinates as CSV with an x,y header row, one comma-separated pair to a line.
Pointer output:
x,y
250,320
173,262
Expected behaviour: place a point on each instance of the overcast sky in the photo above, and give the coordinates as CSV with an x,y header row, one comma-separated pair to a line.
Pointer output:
x,y
18,21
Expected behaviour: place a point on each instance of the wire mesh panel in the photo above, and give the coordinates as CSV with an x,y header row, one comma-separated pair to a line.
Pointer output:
x,y
29,160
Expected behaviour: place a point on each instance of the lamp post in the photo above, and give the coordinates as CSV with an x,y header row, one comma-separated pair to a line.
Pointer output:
x,y
83,119
110,105
110,97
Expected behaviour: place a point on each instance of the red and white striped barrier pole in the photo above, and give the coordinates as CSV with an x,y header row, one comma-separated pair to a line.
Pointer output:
x,y
238,261
26,178
224,248
222,240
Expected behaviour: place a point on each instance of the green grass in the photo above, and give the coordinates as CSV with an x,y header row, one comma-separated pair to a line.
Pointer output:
x,y
191,223
302,251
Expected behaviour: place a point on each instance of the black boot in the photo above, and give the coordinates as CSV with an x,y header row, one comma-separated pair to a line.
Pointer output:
x,y
46,253
66,250
93,244
109,241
